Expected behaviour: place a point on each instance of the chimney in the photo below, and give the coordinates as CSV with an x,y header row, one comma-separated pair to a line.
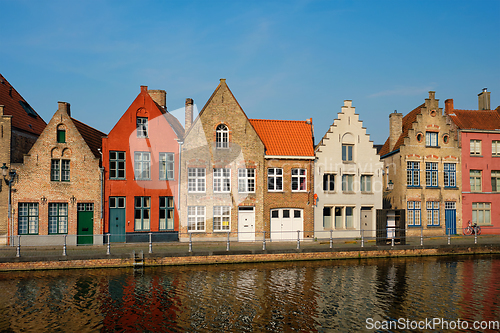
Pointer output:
x,y
484,100
64,107
395,128
188,108
160,97
448,106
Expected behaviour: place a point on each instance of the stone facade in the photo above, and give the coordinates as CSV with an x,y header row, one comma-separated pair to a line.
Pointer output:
x,y
345,155
423,171
58,187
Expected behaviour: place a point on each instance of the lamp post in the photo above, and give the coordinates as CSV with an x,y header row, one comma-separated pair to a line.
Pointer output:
x,y
12,175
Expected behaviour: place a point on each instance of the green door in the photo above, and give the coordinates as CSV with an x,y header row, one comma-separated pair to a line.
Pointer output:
x,y
85,224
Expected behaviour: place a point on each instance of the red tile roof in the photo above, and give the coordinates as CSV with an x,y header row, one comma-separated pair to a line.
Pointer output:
x,y
92,137
408,121
476,119
23,115
285,137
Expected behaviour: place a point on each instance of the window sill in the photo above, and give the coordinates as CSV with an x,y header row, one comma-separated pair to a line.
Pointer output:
x,y
450,188
196,231
432,146
117,179
222,231
270,191
433,226
302,191
330,192
476,155
432,187
196,192
364,192
416,187
414,226
348,192
348,162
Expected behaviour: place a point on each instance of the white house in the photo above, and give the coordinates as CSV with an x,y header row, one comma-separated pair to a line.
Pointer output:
x,y
349,179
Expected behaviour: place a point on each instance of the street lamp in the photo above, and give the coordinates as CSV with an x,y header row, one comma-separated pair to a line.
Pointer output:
x,y
12,175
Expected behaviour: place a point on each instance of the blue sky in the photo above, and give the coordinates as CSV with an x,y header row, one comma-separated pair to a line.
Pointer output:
x,y
282,59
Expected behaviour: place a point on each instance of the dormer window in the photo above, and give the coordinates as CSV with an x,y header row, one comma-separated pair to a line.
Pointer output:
x,y
431,139
61,135
222,136
142,127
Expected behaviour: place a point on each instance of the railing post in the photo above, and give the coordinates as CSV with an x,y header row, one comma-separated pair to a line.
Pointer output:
x,y
362,238
190,243
331,239
475,235
421,237
150,243
264,242
64,246
108,247
18,250
449,236
227,244
298,239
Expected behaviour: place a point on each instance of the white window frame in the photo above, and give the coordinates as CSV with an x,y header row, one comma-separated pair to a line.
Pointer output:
x,y
222,136
366,183
481,213
431,174
196,219
222,180
273,174
222,218
246,180
412,174
167,166
347,183
450,174
495,148
414,214
299,179
328,180
475,147
28,214
142,127
347,152
60,217
431,139
478,175
196,180
142,165
60,170
144,222
495,181
432,213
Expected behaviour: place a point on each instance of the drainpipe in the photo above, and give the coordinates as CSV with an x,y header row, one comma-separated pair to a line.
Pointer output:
x,y
179,183
102,192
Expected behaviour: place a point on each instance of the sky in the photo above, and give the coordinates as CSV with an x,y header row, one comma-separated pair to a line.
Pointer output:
x,y
290,60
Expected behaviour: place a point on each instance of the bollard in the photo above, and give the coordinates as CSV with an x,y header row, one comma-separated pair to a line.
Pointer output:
x,y
475,235
190,243
298,239
449,236
150,243
331,239
108,248
64,246
421,237
362,238
18,250
392,242
264,242
227,244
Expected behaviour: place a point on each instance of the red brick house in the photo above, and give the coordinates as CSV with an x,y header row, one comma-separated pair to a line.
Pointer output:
x,y
479,137
57,192
140,159
21,126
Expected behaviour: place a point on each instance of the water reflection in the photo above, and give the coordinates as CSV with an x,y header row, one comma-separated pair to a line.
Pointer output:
x,y
308,296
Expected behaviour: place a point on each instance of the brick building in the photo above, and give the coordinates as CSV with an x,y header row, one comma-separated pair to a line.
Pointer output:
x,y
423,172
58,188
349,181
478,134
141,161
20,127
289,168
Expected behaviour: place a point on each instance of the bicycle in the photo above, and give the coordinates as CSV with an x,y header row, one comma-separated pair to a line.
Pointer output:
x,y
472,229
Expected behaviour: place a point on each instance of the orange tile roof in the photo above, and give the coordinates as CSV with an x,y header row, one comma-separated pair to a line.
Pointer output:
x,y
476,119
408,121
92,137
285,137
23,115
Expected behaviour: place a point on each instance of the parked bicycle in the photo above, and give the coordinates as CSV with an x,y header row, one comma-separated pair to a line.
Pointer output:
x,y
472,229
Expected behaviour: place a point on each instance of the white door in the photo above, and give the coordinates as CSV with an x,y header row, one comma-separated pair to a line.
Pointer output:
x,y
246,224
285,222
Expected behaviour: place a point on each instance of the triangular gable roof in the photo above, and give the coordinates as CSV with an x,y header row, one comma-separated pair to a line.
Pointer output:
x,y
174,122
24,117
408,121
285,137
92,137
476,119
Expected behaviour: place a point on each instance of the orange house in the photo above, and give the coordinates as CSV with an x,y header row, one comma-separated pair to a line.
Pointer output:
x,y
141,159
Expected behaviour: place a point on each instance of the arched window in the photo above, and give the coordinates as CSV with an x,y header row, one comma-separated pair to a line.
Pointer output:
x,y
221,136
61,134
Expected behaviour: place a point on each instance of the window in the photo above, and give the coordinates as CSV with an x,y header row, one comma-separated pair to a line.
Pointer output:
x,y
28,218
85,207
349,215
275,179
475,180
59,170
431,139
495,148
116,165
413,174
413,213
299,182
116,202
61,136
347,182
222,218
366,183
481,212
58,218
166,166
495,181
166,213
142,213
221,136
450,175
142,165
347,153
246,180
222,180
328,182
142,127
475,147
196,179
431,174
432,212
196,218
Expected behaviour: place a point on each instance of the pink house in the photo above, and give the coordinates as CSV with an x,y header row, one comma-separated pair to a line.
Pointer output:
x,y
478,133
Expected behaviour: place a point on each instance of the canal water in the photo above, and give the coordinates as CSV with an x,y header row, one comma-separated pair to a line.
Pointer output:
x,y
324,296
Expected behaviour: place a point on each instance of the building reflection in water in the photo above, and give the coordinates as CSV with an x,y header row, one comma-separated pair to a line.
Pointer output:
x,y
307,296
